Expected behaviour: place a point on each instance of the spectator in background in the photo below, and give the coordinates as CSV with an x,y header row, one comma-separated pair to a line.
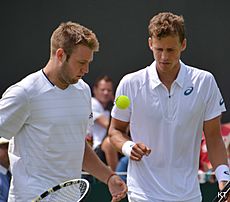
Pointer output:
x,y
205,164
101,105
103,96
225,131
205,173
5,175
122,167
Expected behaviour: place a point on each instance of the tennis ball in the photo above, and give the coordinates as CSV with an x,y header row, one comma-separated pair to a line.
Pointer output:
x,y
122,102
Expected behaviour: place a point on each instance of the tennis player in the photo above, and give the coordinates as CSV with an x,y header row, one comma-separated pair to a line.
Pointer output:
x,y
46,116
171,104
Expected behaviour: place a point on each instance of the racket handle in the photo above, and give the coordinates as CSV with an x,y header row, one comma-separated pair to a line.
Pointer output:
x,y
223,194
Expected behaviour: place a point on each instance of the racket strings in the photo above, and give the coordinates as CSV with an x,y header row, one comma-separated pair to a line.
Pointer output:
x,y
82,187
67,194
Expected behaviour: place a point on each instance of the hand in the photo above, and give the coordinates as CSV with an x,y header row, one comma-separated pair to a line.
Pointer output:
x,y
138,151
117,188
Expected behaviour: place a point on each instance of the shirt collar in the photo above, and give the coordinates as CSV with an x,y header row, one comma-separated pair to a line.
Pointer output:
x,y
152,72
181,75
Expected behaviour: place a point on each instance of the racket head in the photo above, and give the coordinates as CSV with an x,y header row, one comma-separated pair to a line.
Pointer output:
x,y
69,191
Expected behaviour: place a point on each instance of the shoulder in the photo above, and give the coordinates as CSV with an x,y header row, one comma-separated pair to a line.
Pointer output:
x,y
133,79
199,76
96,105
197,72
32,80
31,85
95,102
83,86
204,81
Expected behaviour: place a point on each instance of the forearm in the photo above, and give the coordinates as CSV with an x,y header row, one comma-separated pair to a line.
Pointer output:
x,y
118,138
217,152
93,165
103,121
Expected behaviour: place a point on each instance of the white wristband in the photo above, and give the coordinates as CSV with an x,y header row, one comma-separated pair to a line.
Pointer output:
x,y
222,173
127,148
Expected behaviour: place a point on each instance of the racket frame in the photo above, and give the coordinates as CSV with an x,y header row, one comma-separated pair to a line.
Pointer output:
x,y
62,185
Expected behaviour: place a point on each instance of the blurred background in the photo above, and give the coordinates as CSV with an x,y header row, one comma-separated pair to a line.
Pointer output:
x,y
121,27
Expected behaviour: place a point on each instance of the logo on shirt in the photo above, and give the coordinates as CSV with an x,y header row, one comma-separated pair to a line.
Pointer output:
x,y
188,91
221,101
91,115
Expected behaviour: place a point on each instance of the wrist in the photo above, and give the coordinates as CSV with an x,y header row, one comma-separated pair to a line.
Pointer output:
x,y
127,148
222,173
110,176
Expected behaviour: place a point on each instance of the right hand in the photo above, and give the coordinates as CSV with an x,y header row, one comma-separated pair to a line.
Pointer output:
x,y
117,188
138,151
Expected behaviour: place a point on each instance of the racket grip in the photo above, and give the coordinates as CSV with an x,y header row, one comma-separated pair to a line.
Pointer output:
x,y
223,194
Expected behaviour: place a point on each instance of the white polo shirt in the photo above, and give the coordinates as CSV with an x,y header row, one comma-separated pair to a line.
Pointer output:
x,y
98,132
171,125
48,126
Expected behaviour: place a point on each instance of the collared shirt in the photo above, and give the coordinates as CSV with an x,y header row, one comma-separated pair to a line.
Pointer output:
x,y
171,124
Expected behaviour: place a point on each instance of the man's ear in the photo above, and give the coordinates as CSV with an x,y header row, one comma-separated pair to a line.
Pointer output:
x,y
184,45
150,43
61,55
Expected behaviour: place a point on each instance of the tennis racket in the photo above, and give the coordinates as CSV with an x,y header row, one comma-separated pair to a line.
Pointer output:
x,y
70,191
223,194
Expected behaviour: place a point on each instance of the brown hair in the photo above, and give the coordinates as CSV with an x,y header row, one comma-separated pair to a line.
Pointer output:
x,y
68,35
167,24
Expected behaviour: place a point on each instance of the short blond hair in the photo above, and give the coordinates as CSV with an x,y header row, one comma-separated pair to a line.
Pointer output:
x,y
70,34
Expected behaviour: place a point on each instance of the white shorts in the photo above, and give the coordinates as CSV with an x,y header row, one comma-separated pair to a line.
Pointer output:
x,y
133,197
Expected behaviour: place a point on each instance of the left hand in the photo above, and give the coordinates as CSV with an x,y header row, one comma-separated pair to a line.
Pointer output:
x,y
117,188
138,151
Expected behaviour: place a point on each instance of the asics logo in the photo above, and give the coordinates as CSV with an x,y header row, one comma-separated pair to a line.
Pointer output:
x,y
188,91
226,172
221,101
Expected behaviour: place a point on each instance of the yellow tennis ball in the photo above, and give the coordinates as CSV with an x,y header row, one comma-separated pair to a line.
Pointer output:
x,y
122,102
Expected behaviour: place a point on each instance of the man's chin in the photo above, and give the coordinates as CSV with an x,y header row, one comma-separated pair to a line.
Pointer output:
x,y
75,81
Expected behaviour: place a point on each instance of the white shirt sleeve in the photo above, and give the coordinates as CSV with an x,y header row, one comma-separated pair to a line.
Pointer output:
x,y
123,89
14,111
213,99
